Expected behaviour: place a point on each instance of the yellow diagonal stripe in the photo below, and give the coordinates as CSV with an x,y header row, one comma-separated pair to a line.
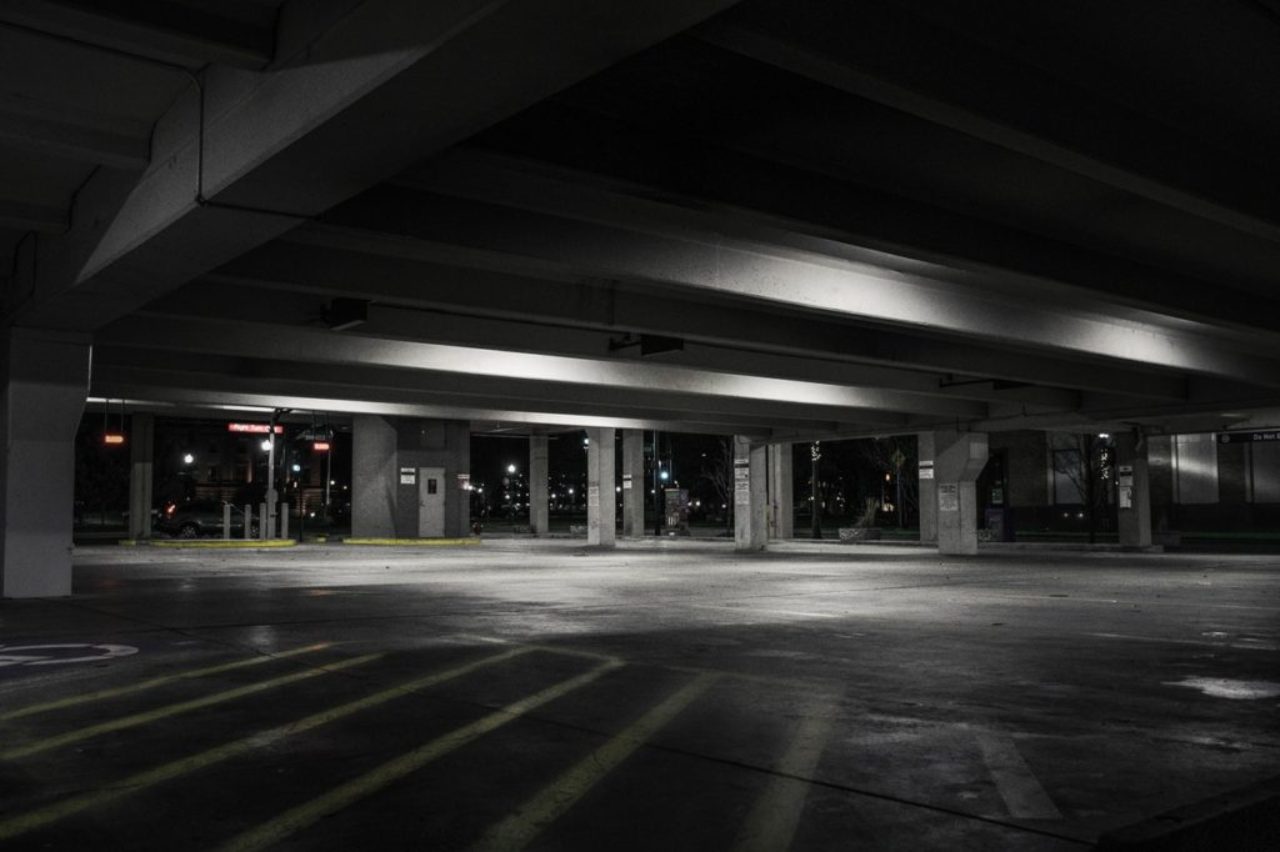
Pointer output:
x,y
142,780
86,697
291,821
773,820
174,709
517,830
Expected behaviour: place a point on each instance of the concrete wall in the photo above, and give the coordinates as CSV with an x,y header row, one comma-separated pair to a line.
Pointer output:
x,y
381,505
1195,465
1025,481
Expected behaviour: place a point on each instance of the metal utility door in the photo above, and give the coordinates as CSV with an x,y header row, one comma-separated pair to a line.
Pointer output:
x,y
430,502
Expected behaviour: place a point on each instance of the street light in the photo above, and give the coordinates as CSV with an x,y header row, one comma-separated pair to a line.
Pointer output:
x,y
266,445
511,468
188,459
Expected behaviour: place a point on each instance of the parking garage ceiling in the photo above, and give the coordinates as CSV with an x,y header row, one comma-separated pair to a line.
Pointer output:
x,y
785,219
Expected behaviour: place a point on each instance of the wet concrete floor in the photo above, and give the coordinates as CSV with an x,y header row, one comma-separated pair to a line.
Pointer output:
x,y
524,694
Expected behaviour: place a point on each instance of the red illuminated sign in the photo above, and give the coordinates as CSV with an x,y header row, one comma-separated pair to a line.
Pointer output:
x,y
320,446
253,428
113,439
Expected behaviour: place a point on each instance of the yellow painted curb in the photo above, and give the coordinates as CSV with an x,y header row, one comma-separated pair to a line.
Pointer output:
x,y
412,542
225,544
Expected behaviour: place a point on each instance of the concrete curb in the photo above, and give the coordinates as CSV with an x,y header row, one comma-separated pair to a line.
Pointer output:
x,y
412,542
214,544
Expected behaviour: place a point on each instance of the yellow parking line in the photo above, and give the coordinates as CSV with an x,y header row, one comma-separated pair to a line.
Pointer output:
x,y
174,709
296,819
517,830
772,822
148,778
156,681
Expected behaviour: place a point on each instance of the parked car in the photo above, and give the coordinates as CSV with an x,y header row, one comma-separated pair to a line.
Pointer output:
x,y
197,518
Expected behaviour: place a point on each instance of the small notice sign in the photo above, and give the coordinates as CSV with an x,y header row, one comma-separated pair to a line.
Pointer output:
x,y
949,498
626,482
926,470
408,476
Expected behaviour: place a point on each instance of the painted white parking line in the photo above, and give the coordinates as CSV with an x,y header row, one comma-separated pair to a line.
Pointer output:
x,y
1018,786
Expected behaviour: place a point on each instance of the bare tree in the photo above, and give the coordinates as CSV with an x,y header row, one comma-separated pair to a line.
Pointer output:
x,y
717,469
1085,459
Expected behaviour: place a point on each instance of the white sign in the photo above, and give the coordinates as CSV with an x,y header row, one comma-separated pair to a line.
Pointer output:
x,y
626,482
926,470
742,483
949,497
408,476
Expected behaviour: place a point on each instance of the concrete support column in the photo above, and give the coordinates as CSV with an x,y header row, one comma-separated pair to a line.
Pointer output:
x,y
601,507
142,451
539,485
373,477
750,494
46,381
958,458
633,482
781,494
1133,490
927,489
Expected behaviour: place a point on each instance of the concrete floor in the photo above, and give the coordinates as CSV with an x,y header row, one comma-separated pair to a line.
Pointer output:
x,y
663,696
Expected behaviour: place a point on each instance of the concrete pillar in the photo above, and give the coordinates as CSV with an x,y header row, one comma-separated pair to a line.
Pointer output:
x,y
750,494
373,477
927,489
958,458
633,482
46,381
1133,490
601,508
781,494
539,485
142,451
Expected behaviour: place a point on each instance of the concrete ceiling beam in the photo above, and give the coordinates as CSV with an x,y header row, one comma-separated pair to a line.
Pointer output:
x,y
287,343
527,334
1007,103
31,217
248,155
174,33
180,394
349,264
666,252
89,140
465,390
742,183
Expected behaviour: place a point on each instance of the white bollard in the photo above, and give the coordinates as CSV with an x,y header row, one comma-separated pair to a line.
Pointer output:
x,y
226,521
283,515
264,533
248,520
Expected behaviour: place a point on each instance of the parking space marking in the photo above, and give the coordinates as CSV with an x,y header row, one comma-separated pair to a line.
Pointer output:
x,y
20,655
773,820
166,772
156,681
1017,784
165,712
517,830
304,815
